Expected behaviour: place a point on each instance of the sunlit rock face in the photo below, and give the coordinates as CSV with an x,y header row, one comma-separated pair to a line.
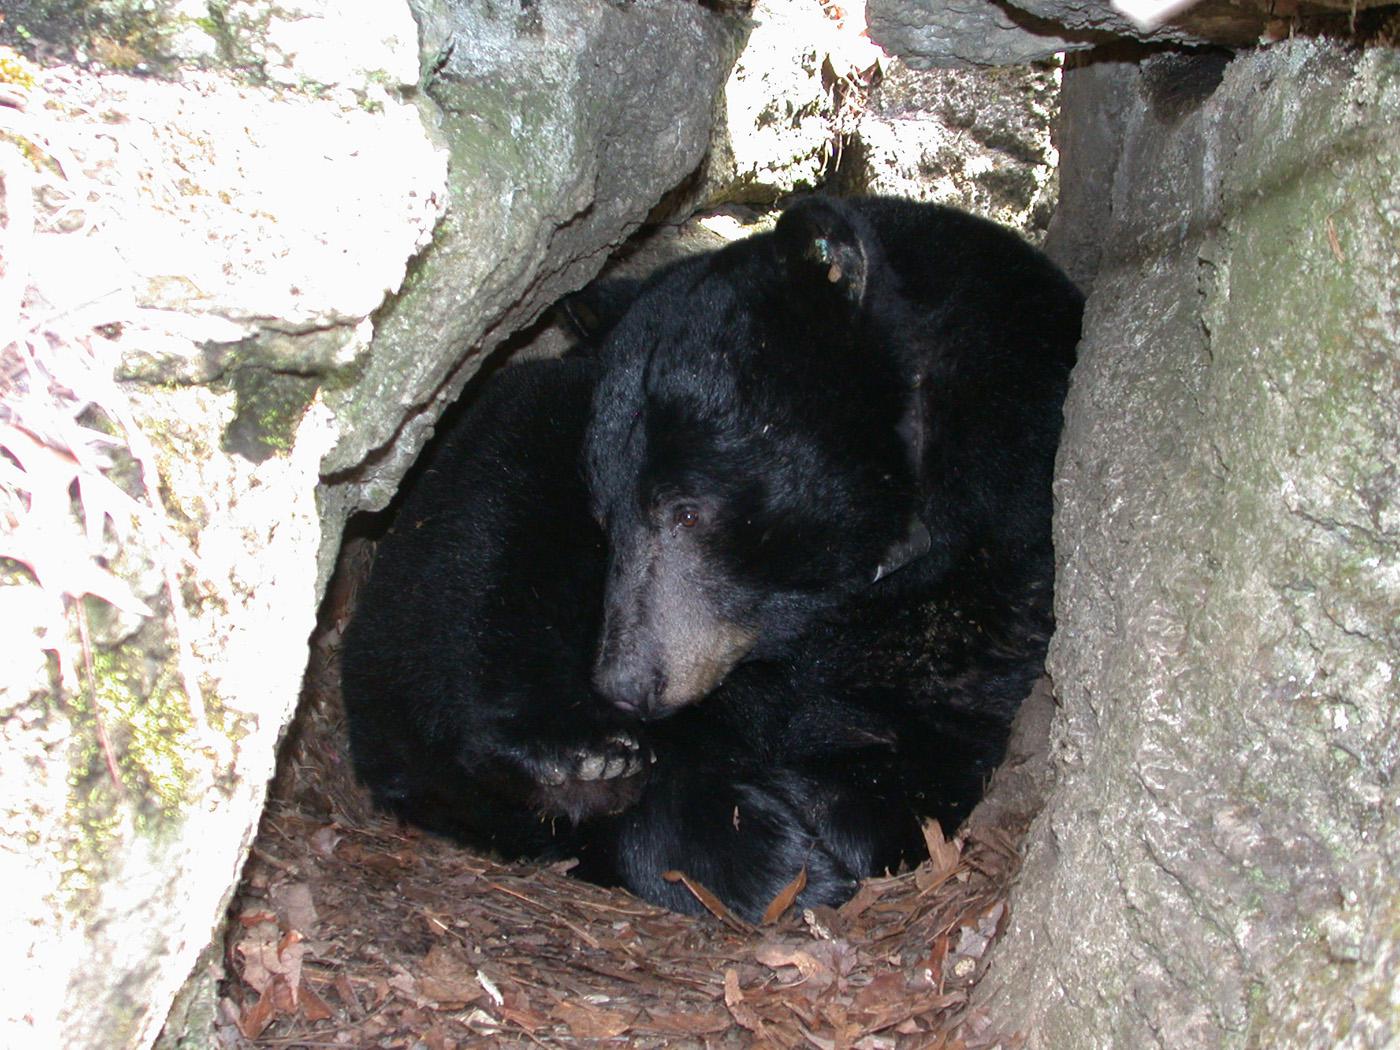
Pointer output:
x,y
1218,863
262,250
202,256
565,121
977,139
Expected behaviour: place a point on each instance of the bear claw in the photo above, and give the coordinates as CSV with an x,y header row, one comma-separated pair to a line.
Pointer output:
x,y
617,756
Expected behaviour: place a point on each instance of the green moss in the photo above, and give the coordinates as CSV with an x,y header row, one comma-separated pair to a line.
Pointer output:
x,y
137,700
270,408
146,714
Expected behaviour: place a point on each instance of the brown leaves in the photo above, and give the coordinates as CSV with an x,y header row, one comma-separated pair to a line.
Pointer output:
x,y
785,898
271,963
742,1013
593,1022
776,909
943,858
447,980
404,939
713,904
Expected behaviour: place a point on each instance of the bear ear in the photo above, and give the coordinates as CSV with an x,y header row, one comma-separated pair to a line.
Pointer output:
x,y
915,543
826,245
593,312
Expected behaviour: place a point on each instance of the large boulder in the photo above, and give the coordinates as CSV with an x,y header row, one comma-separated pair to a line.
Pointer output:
x,y
1219,864
218,247
566,121
289,250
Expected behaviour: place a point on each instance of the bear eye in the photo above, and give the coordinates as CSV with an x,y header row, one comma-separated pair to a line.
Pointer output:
x,y
687,516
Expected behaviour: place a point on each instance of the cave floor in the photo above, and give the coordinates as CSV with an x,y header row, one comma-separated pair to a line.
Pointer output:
x,y
351,930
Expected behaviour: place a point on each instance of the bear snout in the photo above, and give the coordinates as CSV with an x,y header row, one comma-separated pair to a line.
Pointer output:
x,y
633,686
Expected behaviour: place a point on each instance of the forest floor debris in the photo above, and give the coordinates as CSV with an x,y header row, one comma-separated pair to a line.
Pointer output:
x,y
352,930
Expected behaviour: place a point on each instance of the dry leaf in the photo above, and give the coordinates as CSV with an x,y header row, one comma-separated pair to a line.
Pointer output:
x,y
346,991
257,1017
592,1022
405,985
824,922
268,954
713,904
313,1007
527,1020
867,895
885,989
742,1013
685,1024
293,903
783,901
447,979
943,855
777,956
324,840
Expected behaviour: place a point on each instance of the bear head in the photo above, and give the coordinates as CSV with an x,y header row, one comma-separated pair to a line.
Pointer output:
x,y
749,453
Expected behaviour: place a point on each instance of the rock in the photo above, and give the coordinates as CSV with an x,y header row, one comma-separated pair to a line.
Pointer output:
x,y
1094,96
1218,862
288,265
220,248
937,33
565,121
779,125
977,139
963,33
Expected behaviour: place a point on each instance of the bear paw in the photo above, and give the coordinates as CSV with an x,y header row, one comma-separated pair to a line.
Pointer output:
x,y
619,755
595,779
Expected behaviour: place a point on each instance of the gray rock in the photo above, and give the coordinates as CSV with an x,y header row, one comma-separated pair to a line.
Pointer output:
x,y
935,33
224,242
779,122
1217,866
219,247
962,33
977,139
1094,96
566,121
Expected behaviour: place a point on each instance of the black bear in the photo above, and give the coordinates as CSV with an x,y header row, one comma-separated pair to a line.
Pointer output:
x,y
859,409
815,492
466,680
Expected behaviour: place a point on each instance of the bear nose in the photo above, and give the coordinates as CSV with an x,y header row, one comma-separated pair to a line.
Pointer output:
x,y
635,689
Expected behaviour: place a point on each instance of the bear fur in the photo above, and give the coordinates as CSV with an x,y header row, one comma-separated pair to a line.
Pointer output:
x,y
465,669
808,482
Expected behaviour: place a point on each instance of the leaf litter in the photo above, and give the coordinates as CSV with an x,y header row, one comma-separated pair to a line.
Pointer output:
x,y
352,930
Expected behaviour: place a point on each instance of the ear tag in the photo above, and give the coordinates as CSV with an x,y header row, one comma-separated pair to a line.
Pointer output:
x,y
826,255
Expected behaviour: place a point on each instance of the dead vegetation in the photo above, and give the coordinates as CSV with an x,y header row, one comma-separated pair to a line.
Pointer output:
x,y
351,930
